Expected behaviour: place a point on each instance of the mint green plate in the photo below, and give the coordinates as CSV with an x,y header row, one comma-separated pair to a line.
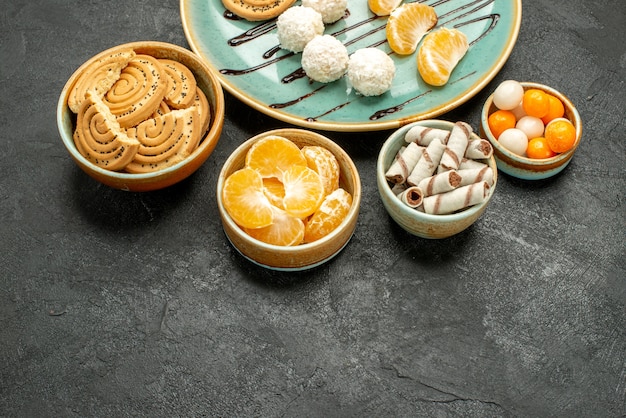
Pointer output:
x,y
251,66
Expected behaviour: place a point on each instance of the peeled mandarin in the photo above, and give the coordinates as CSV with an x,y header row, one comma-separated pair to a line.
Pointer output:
x,y
330,214
324,163
304,191
383,7
273,155
407,25
439,54
245,201
285,230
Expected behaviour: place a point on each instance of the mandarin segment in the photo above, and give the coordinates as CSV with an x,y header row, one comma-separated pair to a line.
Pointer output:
x,y
304,191
407,25
272,155
383,7
439,54
324,163
245,201
286,230
274,190
330,214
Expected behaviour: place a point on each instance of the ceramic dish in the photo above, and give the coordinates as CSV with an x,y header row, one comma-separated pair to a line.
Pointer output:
x,y
524,167
250,64
303,256
418,223
66,121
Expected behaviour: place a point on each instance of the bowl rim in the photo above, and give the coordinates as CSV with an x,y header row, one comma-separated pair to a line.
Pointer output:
x,y
388,147
287,250
215,127
537,162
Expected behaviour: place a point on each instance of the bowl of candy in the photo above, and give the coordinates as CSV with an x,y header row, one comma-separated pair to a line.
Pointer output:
x,y
289,199
533,128
436,178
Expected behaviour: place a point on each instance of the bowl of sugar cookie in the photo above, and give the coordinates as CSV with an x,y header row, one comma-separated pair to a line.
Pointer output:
x,y
141,116
289,199
436,178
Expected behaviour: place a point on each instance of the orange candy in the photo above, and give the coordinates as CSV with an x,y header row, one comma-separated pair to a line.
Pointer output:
x,y
538,148
499,121
560,135
536,103
557,110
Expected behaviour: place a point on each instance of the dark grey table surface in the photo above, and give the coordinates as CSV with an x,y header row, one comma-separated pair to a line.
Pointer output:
x,y
122,304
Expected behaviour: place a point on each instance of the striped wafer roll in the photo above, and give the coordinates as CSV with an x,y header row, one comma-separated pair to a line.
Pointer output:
x,y
99,138
478,149
427,165
423,135
457,199
475,175
411,196
469,163
138,92
456,146
165,140
440,183
404,163
99,76
181,84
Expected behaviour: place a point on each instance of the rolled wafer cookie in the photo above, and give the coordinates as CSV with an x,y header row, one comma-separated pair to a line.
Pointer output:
x,y
255,10
165,140
475,175
139,91
423,135
428,163
99,138
456,146
412,196
479,149
404,163
457,199
181,84
99,76
440,183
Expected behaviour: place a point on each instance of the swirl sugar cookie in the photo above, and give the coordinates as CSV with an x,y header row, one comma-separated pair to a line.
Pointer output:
x,y
99,75
165,140
99,138
181,84
255,10
138,92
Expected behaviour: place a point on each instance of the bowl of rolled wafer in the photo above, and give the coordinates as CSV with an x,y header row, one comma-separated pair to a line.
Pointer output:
x,y
435,177
141,116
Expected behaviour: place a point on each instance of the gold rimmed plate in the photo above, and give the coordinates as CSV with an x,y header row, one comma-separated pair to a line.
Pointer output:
x,y
250,64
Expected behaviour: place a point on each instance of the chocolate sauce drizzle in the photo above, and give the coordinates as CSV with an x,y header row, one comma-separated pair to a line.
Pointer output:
x,y
452,18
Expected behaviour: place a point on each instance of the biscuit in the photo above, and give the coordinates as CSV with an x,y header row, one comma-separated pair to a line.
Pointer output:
x,y
165,140
181,84
256,10
138,92
99,76
99,138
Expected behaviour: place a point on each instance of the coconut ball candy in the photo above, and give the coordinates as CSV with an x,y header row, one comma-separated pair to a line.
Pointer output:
x,y
371,71
297,26
325,59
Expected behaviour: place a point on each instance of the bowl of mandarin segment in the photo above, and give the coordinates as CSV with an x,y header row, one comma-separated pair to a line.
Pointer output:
x,y
289,199
141,116
435,177
534,129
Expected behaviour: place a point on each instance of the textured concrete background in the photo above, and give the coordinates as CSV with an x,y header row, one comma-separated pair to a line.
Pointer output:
x,y
120,304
